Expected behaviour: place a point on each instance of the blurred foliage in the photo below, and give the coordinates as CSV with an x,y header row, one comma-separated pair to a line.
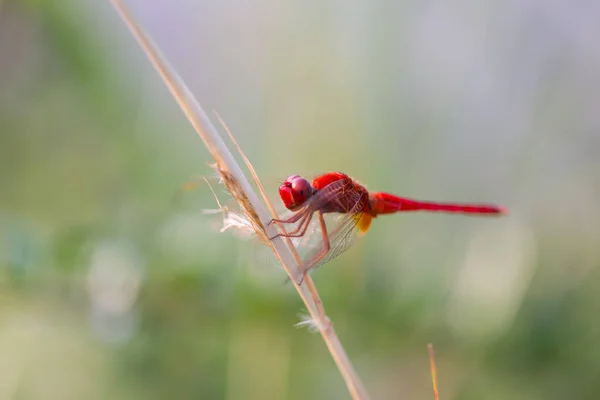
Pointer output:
x,y
110,289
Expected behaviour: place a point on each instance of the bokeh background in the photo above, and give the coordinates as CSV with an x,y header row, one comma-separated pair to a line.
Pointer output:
x,y
111,289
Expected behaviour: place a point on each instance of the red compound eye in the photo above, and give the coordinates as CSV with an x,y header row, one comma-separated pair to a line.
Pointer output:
x,y
295,191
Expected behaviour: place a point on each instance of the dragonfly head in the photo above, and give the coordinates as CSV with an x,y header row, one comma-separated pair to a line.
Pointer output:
x,y
295,191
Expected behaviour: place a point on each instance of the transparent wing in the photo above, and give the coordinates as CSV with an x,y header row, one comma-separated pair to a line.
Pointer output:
x,y
329,193
342,234
340,241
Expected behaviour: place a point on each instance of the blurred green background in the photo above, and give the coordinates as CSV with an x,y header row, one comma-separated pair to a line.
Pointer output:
x,y
110,289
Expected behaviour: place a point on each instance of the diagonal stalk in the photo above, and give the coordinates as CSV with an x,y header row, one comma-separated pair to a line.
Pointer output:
x,y
242,191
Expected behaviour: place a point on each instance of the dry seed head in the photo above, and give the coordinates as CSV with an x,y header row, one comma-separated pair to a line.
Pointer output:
x,y
239,195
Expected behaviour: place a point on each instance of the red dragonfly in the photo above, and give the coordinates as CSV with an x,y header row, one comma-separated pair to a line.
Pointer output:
x,y
335,192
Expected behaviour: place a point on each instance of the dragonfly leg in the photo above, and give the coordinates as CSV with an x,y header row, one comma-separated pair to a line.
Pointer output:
x,y
299,231
294,218
310,264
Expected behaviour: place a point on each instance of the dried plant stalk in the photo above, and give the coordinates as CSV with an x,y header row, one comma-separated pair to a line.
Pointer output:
x,y
241,189
436,394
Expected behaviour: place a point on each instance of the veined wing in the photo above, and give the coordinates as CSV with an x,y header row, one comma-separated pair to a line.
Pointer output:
x,y
342,229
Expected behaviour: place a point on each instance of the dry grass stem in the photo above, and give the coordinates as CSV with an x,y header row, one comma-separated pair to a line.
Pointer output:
x,y
241,189
436,394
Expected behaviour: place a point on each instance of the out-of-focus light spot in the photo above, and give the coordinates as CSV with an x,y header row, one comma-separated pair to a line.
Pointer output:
x,y
20,246
113,282
499,264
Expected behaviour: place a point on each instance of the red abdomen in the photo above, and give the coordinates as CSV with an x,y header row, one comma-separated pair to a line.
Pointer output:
x,y
385,203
